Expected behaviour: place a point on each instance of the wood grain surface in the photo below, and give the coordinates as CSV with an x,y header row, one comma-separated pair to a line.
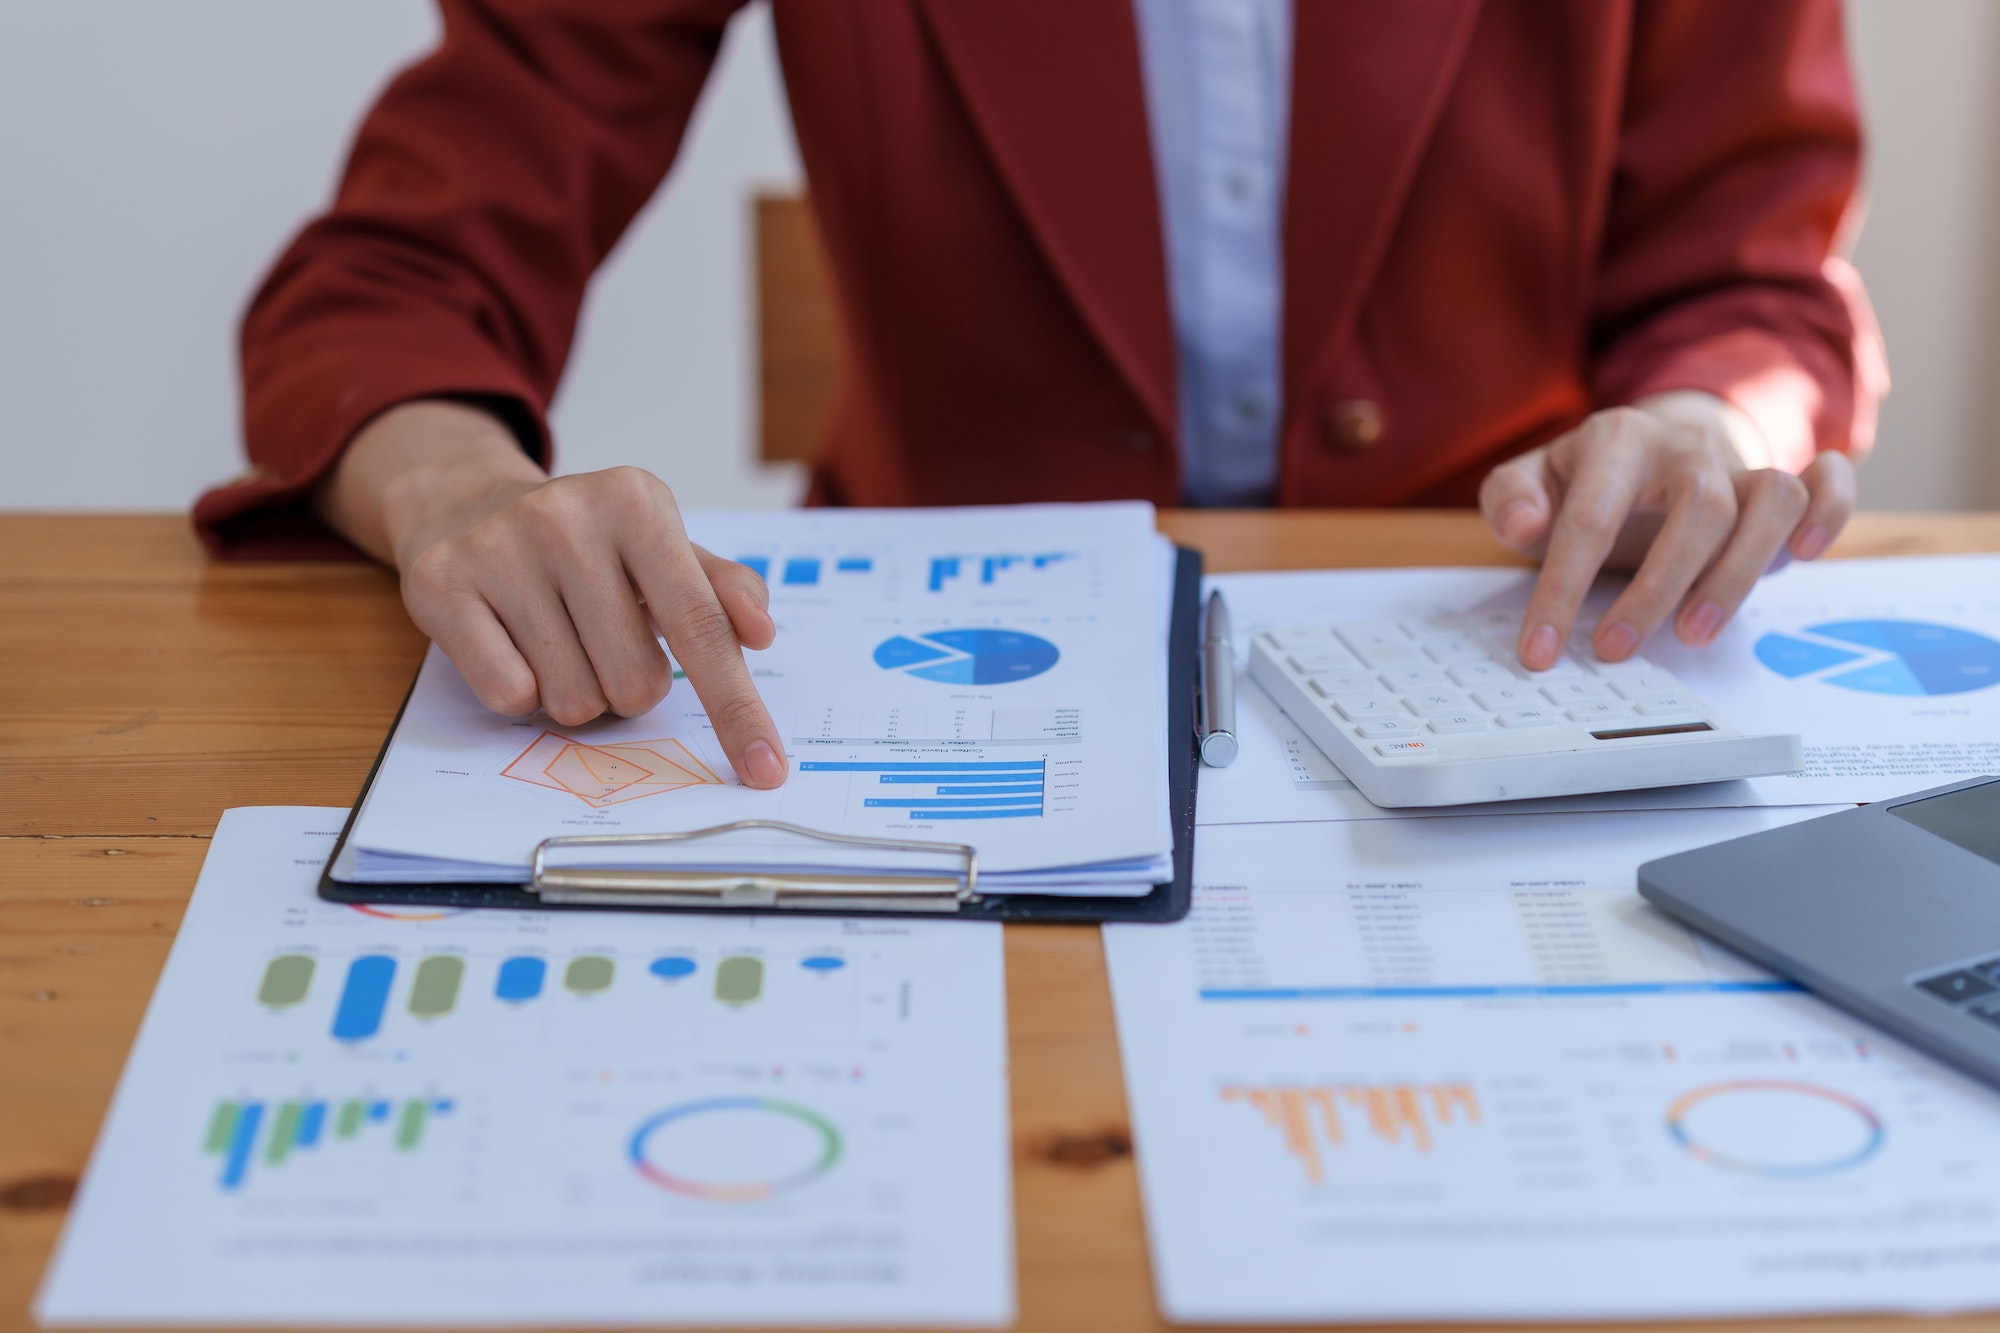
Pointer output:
x,y
144,690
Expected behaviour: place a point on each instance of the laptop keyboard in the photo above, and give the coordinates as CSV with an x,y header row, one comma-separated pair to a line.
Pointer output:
x,y
1974,988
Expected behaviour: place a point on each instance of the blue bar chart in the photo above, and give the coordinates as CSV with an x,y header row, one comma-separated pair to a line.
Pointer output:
x,y
945,569
972,789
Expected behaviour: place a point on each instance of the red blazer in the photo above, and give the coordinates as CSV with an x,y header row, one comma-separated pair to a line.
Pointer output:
x,y
1501,215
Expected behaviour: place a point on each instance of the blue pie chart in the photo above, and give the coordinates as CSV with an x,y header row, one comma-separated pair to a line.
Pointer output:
x,y
968,656
1923,658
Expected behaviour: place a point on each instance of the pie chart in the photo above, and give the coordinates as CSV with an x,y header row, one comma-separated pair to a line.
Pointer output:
x,y
968,656
1901,657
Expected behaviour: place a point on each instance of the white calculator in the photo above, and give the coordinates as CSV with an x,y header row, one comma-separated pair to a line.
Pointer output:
x,y
1440,711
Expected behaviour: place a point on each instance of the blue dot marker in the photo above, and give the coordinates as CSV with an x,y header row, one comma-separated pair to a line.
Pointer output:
x,y
672,968
823,963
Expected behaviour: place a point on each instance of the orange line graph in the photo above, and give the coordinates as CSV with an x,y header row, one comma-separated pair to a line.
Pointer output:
x,y
1396,1113
601,775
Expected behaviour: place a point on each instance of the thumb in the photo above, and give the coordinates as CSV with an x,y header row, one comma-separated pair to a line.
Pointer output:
x,y
1515,501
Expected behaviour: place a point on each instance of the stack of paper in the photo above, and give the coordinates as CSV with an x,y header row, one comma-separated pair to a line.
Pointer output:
x,y
1448,1065
991,677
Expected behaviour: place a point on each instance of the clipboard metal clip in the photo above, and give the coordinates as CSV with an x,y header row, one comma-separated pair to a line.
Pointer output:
x,y
767,870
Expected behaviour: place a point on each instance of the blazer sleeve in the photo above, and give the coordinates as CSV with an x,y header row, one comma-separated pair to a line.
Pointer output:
x,y
1738,160
482,191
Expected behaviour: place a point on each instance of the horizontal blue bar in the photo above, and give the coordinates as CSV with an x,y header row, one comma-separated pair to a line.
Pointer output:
x,y
991,790
1031,812
981,766
854,565
1503,992
803,570
932,803
756,564
1012,776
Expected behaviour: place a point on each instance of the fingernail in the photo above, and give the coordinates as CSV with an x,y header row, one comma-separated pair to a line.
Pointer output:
x,y
1702,622
1616,642
1811,543
1515,522
1541,648
762,765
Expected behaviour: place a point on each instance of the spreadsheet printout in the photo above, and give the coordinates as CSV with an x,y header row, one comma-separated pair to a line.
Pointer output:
x,y
1382,1051
339,1114
992,677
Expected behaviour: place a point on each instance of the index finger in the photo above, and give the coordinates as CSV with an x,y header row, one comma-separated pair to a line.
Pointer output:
x,y
1594,506
703,641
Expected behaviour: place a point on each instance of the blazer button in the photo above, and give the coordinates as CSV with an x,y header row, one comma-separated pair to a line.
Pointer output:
x,y
1352,427
1134,441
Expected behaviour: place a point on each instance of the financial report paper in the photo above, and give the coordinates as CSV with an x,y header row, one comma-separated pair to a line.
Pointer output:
x,y
1889,670
1455,1068
992,677
343,1114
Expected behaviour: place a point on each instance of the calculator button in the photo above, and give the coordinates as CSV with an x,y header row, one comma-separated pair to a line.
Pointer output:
x,y
1457,722
1637,685
1407,750
1595,713
1565,669
1387,726
1496,623
1666,705
1416,676
1574,692
1494,698
1450,647
1333,684
1961,984
1988,1011
1432,703
1528,717
1362,707
1488,672
1331,658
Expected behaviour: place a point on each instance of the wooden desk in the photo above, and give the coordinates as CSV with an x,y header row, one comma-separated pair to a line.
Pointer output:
x,y
144,690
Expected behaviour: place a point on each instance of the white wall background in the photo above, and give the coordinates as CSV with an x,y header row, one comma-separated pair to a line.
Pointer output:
x,y
153,157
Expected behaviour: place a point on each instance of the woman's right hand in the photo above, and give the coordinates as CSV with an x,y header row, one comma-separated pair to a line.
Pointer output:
x,y
552,594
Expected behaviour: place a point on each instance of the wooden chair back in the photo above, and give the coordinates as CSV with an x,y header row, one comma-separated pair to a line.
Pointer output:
x,y
798,331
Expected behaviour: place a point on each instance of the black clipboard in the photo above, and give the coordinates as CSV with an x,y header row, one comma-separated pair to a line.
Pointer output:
x,y
1167,902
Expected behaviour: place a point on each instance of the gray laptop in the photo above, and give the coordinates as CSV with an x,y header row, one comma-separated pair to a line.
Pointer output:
x,y
1891,911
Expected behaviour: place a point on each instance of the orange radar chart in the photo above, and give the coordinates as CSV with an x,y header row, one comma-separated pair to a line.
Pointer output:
x,y
612,774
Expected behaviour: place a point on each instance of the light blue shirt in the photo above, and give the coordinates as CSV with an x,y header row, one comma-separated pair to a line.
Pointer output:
x,y
1218,99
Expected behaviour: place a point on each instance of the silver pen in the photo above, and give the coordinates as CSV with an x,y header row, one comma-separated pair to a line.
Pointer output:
x,y
1216,725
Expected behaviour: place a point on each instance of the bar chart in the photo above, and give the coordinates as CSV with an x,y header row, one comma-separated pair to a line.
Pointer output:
x,y
435,986
796,571
990,569
1311,1119
244,1134
969,789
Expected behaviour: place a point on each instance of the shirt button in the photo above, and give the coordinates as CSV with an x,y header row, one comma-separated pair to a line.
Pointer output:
x,y
1352,427
1250,409
1134,441
1238,184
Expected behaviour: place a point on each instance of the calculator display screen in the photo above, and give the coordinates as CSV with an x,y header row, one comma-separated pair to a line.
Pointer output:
x,y
1970,818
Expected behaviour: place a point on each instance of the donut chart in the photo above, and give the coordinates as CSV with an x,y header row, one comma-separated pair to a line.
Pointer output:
x,y
1776,1128
734,1149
